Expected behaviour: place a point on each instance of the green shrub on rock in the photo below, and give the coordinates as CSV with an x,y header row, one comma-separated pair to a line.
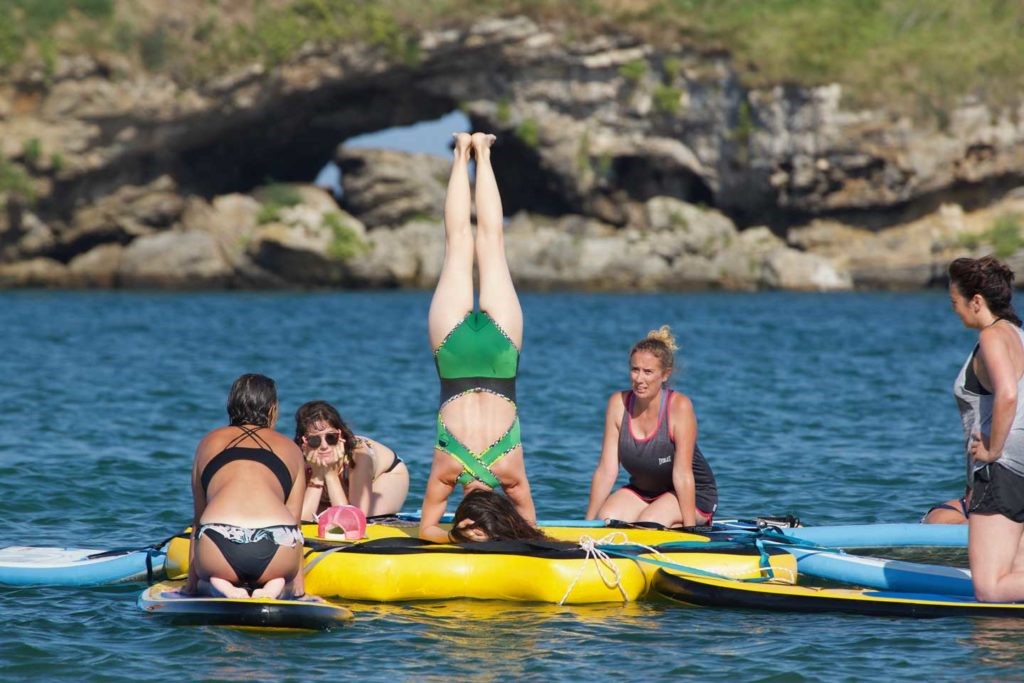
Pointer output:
x,y
346,242
1005,235
666,99
529,133
633,71
15,182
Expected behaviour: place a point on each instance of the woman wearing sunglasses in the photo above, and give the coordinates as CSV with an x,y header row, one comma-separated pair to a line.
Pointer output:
x,y
478,444
344,468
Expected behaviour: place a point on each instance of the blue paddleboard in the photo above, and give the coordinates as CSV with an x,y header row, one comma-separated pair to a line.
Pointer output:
x,y
833,536
882,574
882,535
46,566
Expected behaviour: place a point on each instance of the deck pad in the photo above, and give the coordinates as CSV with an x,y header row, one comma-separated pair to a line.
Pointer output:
x,y
165,600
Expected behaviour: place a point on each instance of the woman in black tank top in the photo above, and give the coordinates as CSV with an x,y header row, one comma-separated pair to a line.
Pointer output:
x,y
652,432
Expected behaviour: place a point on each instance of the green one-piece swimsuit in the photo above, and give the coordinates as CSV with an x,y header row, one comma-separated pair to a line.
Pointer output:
x,y
477,355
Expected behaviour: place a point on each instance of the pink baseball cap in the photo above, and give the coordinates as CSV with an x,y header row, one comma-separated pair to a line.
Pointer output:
x,y
342,521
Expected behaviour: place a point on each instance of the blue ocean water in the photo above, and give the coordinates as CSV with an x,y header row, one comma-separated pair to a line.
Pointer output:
x,y
835,408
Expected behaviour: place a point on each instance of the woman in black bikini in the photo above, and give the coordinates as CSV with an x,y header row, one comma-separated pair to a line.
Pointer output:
x,y
348,468
247,487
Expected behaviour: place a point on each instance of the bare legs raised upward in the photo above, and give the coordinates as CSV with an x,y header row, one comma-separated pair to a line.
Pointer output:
x,y
453,296
477,419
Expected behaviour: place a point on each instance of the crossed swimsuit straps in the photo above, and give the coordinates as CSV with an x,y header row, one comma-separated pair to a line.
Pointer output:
x,y
477,355
249,550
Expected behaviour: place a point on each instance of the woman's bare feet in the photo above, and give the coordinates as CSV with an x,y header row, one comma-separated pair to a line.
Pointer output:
x,y
462,145
228,589
482,142
271,589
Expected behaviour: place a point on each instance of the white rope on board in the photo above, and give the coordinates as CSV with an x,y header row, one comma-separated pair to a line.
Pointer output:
x,y
780,570
738,574
602,561
602,558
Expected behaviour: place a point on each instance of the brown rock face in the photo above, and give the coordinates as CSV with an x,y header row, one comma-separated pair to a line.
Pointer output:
x,y
589,130
385,188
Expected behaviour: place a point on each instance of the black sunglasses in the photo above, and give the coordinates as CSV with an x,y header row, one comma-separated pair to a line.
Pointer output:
x,y
332,439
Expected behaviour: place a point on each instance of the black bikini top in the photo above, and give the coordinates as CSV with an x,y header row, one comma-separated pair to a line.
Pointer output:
x,y
971,381
264,456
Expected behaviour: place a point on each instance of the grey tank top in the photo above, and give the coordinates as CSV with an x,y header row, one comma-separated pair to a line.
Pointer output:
x,y
967,391
975,406
649,461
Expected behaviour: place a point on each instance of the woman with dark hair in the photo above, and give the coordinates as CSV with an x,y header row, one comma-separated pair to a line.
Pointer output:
x,y
478,444
489,516
990,396
247,487
345,468
651,431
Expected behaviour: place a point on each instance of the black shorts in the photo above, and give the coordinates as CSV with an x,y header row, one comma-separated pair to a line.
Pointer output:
x,y
998,491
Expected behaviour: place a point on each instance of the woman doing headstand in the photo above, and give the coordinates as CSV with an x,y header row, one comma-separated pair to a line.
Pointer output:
x,y
476,351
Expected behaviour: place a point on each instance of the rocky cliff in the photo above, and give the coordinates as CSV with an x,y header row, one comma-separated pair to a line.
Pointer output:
x,y
621,165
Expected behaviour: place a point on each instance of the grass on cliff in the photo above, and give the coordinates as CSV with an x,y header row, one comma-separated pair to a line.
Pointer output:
x,y
1004,237
273,198
920,56
14,183
345,241
26,24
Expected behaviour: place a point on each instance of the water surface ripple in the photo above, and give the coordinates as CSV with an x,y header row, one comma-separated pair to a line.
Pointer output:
x,y
836,408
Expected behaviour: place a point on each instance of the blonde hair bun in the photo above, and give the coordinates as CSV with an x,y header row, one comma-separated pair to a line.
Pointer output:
x,y
664,335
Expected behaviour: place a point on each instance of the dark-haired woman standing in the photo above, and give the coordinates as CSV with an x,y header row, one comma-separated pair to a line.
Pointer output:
x,y
990,396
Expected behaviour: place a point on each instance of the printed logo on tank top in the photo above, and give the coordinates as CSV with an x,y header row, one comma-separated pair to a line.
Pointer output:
x,y
664,461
